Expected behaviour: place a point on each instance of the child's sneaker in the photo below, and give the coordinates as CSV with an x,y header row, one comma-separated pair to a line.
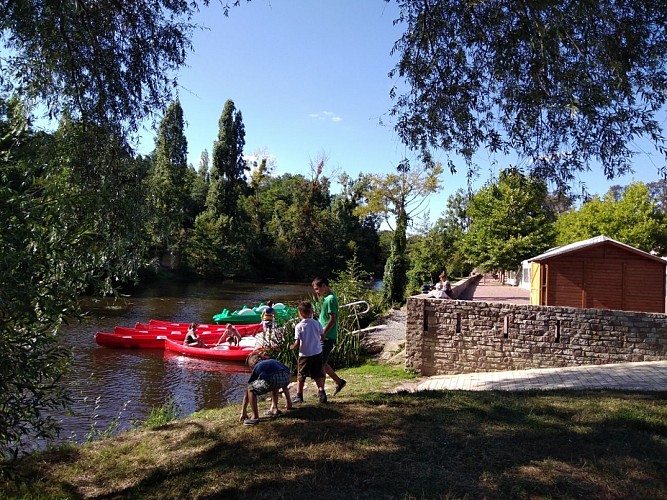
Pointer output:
x,y
322,396
298,398
340,386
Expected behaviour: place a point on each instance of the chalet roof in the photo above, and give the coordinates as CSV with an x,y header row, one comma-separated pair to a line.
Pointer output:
x,y
593,242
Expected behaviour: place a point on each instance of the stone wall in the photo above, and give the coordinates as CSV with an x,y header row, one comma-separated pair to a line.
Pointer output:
x,y
458,336
460,288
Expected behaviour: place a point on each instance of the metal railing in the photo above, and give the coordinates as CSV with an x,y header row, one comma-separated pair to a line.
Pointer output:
x,y
357,303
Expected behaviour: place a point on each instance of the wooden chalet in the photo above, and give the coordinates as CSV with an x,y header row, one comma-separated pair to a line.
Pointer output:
x,y
599,273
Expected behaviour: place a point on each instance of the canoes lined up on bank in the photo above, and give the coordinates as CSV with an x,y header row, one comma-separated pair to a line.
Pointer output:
x,y
177,329
247,315
157,334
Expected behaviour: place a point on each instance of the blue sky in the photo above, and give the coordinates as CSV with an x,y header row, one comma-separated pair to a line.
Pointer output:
x,y
310,78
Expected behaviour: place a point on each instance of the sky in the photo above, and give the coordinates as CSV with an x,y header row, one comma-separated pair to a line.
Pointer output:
x,y
310,78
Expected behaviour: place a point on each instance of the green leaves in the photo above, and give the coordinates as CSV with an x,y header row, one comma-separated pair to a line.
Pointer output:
x,y
509,222
560,84
633,219
71,213
102,61
166,193
229,166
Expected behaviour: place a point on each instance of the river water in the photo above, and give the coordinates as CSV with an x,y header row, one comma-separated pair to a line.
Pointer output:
x,y
118,386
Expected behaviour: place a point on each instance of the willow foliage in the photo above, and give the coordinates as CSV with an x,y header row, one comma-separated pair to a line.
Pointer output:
x,y
561,84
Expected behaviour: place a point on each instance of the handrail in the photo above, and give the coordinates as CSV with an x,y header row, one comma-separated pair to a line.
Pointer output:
x,y
356,303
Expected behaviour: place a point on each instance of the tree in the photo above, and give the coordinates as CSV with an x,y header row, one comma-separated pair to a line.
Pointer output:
x,y
198,184
301,222
424,251
214,248
658,190
634,219
220,243
68,229
260,174
229,167
166,194
561,84
71,199
400,196
437,248
357,235
104,61
509,222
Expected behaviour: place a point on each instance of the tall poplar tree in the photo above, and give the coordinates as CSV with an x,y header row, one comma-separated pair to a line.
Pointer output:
x,y
219,244
229,167
167,195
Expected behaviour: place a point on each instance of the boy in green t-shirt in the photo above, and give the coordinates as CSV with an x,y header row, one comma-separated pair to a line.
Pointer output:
x,y
329,321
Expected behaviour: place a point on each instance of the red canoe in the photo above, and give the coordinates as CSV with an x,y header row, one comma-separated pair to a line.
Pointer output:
x,y
154,335
244,330
142,340
125,330
222,352
152,339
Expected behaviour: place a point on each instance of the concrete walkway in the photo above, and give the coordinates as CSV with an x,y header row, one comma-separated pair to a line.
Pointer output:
x,y
641,376
490,290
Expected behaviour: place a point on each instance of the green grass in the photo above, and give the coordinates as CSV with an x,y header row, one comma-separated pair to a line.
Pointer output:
x,y
371,443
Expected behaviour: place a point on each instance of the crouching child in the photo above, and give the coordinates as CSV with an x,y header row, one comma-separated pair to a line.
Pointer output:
x,y
267,375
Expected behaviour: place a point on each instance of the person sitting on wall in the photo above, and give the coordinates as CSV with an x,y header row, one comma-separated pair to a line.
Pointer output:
x,y
443,289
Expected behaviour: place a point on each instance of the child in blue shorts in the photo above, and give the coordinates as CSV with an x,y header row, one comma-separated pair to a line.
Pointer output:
x,y
308,340
267,375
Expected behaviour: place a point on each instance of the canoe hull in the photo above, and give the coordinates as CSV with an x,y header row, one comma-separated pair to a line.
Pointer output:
x,y
139,341
157,326
223,353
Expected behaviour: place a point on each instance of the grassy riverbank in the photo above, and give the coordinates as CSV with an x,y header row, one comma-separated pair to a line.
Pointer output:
x,y
368,443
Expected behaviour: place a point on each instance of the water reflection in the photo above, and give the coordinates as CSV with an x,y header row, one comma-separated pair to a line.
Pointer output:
x,y
121,385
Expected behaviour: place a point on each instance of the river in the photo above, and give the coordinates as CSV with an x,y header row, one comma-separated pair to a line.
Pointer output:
x,y
114,387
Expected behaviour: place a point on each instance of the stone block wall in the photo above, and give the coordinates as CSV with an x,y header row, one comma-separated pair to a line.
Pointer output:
x,y
458,336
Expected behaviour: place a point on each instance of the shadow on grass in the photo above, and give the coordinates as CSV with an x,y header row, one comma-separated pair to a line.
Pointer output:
x,y
425,445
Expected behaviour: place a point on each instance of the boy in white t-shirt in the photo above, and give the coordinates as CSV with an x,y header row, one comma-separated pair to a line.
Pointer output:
x,y
308,336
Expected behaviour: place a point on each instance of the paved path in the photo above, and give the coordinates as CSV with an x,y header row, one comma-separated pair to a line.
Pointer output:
x,y
642,376
490,290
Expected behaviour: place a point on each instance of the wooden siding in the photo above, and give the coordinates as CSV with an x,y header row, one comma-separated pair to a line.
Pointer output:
x,y
603,284
644,287
604,277
565,283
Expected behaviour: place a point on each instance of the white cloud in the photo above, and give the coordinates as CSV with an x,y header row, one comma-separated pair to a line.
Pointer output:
x,y
326,116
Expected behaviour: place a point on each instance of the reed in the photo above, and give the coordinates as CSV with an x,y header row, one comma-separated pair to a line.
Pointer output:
x,y
350,285
161,415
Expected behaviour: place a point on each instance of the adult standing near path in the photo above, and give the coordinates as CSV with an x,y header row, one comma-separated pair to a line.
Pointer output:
x,y
329,321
